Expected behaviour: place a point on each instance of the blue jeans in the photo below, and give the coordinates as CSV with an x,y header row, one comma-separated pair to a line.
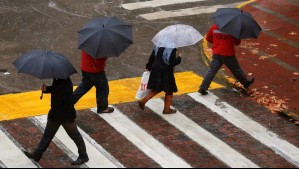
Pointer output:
x,y
231,62
99,80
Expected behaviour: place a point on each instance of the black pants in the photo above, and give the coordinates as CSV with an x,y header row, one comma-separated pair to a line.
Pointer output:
x,y
51,130
99,80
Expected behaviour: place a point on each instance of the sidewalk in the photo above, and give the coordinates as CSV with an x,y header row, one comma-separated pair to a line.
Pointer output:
x,y
273,58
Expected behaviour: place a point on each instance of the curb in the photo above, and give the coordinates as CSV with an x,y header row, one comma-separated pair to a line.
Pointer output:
x,y
206,54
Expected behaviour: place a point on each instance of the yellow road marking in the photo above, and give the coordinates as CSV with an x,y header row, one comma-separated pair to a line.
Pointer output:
x,y
27,104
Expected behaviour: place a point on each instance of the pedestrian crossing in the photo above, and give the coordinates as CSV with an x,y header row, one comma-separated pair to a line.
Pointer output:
x,y
163,14
167,141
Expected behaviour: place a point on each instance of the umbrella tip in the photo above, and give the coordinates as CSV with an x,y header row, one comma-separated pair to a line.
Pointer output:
x,y
103,25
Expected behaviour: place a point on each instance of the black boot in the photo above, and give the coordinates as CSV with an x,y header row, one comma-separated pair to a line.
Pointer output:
x,y
34,156
80,160
248,83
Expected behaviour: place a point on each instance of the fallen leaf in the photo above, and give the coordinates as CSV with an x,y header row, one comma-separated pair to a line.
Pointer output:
x,y
293,33
296,73
297,56
273,45
265,87
249,74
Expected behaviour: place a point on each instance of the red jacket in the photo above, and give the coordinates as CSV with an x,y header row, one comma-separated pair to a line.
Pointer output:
x,y
91,65
223,44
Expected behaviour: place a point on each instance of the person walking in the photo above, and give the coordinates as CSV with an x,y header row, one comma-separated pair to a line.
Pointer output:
x,y
62,113
161,64
223,48
93,72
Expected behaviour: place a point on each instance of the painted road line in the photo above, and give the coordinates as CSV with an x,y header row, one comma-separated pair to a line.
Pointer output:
x,y
155,3
11,156
282,147
96,158
185,12
214,145
145,142
28,104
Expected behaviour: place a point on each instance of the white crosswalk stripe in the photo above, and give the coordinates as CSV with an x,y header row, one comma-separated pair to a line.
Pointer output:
x,y
155,3
257,131
162,14
145,142
11,156
214,145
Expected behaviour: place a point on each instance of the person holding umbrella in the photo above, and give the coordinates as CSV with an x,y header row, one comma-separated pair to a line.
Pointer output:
x,y
44,65
161,64
164,58
231,26
99,39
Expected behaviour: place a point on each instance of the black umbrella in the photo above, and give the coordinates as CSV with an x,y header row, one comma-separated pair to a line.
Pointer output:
x,y
44,65
237,23
105,37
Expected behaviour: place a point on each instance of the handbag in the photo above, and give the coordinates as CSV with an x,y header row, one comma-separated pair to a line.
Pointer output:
x,y
142,90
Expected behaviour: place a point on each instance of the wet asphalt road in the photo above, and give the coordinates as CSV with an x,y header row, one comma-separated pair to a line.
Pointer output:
x,y
53,24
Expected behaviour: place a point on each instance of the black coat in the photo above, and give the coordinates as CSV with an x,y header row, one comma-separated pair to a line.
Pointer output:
x,y
162,75
62,107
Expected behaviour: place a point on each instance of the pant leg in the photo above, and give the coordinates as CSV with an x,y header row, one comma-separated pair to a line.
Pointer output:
x,y
74,134
233,65
83,88
49,133
215,65
102,90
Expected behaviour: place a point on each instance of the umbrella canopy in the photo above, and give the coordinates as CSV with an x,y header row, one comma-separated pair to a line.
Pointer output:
x,y
178,35
105,37
237,23
44,65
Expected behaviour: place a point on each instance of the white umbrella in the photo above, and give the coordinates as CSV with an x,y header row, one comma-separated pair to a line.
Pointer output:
x,y
178,35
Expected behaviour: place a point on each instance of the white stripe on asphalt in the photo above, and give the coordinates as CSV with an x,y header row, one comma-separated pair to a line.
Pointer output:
x,y
185,12
214,145
145,142
11,156
96,158
257,131
155,3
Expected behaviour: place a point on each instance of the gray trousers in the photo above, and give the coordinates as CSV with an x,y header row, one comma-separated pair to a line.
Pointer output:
x,y
217,62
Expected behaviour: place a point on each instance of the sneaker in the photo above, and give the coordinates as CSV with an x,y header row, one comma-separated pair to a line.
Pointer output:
x,y
108,110
203,92
248,83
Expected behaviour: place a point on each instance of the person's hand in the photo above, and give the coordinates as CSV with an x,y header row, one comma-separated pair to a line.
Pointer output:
x,y
43,87
179,54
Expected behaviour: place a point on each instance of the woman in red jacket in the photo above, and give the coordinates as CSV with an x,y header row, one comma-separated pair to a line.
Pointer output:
x,y
223,47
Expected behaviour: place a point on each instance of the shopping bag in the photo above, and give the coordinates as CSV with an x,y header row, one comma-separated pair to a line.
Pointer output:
x,y
143,91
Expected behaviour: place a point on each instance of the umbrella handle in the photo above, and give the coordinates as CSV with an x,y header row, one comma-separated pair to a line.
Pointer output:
x,y
42,95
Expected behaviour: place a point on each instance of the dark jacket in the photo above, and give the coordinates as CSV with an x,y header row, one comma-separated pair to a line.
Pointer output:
x,y
162,74
62,107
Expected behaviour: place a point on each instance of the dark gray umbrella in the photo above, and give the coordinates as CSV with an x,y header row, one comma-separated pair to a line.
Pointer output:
x,y
105,37
44,65
237,23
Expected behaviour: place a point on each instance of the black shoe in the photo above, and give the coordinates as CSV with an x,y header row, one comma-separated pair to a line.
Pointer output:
x,y
80,161
248,83
32,156
203,92
108,110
